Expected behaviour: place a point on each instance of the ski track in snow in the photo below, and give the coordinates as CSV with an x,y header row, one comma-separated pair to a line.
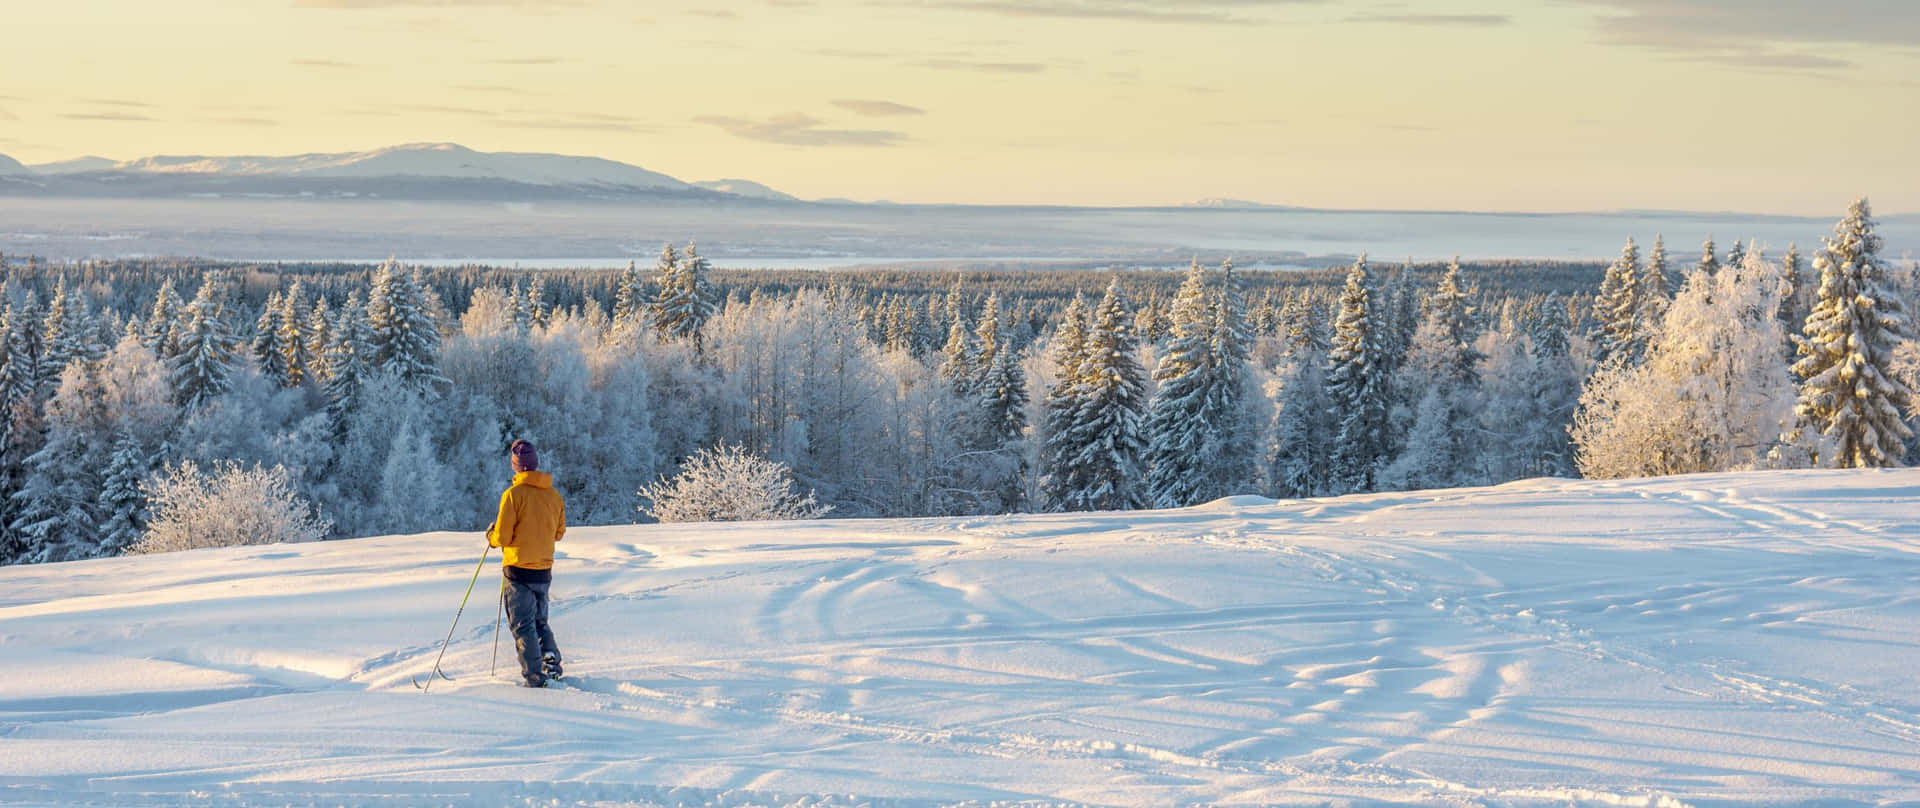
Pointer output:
x,y
1691,641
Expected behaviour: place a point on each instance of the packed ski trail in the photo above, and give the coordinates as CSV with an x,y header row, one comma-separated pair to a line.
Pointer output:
x,y
1700,640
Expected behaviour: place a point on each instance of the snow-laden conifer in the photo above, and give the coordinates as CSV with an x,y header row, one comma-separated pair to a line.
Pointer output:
x,y
123,503
404,339
269,354
1618,308
1059,478
349,355
1177,430
1849,398
202,367
686,299
1108,429
1356,388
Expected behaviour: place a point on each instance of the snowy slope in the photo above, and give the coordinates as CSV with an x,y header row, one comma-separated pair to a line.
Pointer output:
x,y
443,160
9,166
1703,640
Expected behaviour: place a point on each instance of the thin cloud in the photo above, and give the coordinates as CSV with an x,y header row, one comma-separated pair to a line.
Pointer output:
x,y
333,64
1465,20
115,102
377,4
107,116
576,124
981,67
876,108
242,120
534,60
1779,35
800,129
714,13
1175,11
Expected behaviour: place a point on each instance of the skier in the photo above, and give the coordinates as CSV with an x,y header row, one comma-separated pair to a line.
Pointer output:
x,y
532,517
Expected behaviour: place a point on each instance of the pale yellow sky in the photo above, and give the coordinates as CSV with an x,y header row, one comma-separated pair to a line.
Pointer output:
x,y
1794,106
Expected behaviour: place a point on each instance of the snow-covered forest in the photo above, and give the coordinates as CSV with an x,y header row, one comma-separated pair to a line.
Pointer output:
x,y
150,406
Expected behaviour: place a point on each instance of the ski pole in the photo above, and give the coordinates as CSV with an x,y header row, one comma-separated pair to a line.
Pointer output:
x,y
456,621
496,627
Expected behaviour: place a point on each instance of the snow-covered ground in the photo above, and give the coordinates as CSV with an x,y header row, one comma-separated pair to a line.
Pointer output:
x,y
1702,640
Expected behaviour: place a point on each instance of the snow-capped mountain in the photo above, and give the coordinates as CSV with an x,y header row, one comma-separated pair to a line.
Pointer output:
x,y
746,188
447,160
75,166
446,171
9,166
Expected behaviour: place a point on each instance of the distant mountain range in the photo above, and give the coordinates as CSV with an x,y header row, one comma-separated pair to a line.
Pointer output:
x,y
437,171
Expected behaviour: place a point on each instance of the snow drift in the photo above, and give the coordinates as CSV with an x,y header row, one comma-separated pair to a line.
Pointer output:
x,y
1710,639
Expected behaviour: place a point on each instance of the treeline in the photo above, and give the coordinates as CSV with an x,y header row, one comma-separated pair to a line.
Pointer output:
x,y
381,401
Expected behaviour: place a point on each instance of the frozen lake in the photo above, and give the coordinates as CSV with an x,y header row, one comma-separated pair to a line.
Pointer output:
x,y
741,235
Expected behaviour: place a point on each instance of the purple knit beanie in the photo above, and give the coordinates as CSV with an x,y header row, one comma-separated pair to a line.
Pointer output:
x,y
524,458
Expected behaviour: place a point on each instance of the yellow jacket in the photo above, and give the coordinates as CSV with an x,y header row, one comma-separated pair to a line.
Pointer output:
x,y
532,517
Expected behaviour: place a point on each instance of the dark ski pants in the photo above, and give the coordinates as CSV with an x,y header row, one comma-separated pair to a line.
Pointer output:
x,y
527,618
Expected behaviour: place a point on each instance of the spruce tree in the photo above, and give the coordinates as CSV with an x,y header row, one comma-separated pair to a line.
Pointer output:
x,y
1709,264
294,336
201,369
1177,433
1653,292
1798,301
960,358
163,322
405,340
123,504
268,352
319,334
1849,398
348,364
1108,429
629,298
1618,308
686,298
1059,477
1356,388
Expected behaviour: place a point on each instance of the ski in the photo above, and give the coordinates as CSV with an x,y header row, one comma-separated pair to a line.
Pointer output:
x,y
423,685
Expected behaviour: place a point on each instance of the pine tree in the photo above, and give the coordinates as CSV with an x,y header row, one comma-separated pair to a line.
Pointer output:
x,y
1059,478
201,369
1108,429
123,504
1356,388
1618,308
1849,398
